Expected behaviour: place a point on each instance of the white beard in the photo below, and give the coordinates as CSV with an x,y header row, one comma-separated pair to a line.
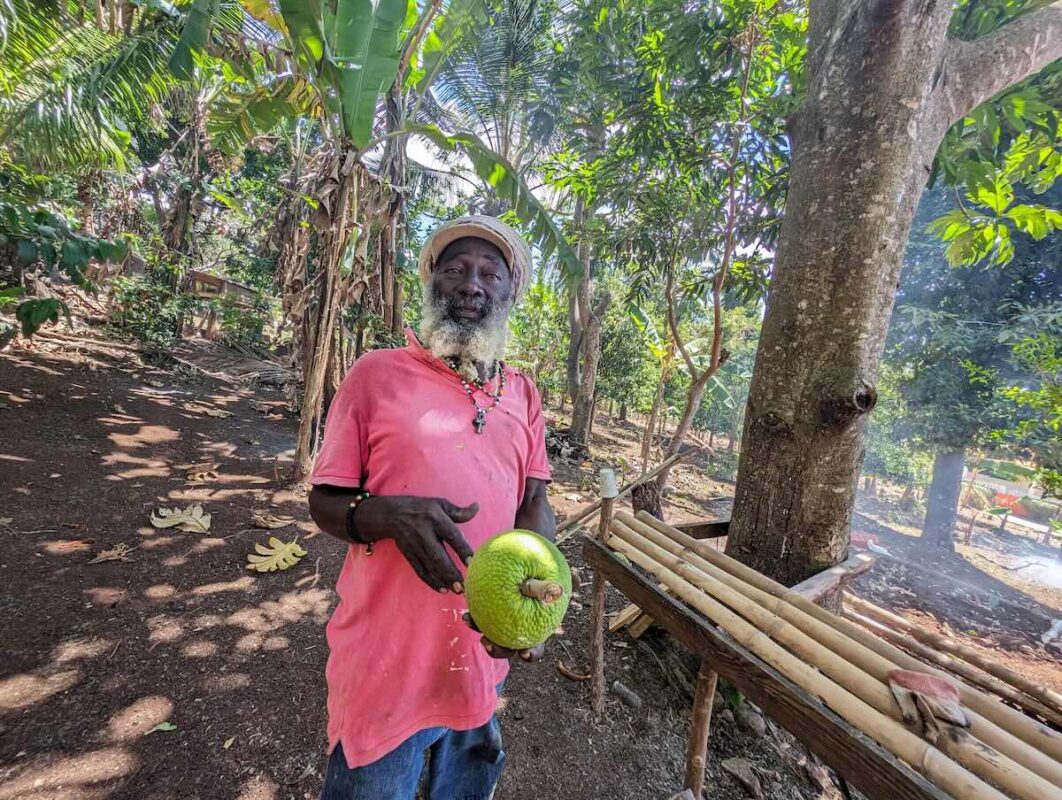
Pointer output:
x,y
470,343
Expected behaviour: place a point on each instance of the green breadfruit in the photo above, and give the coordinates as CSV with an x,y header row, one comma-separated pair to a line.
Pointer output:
x,y
518,588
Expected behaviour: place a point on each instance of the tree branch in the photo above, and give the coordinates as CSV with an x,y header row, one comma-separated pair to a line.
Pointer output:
x,y
977,70
672,323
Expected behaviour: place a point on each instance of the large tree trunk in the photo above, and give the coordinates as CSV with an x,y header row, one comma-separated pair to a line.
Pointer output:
x,y
394,160
942,504
334,244
884,85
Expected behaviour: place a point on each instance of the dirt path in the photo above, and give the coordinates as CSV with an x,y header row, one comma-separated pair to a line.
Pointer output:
x,y
97,655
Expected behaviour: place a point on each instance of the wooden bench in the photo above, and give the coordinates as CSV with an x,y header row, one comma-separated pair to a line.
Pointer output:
x,y
861,761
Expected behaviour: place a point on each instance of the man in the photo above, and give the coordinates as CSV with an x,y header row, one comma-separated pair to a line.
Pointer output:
x,y
428,451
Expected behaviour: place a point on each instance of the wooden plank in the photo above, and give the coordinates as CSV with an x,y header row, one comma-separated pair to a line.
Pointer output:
x,y
705,529
818,586
640,626
624,617
859,759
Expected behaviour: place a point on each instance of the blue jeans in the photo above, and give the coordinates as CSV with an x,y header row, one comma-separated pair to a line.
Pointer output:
x,y
462,765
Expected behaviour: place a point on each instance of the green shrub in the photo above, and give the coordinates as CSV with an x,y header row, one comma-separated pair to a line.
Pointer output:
x,y
149,311
240,324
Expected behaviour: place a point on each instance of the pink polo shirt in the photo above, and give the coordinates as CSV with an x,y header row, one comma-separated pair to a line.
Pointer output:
x,y
401,659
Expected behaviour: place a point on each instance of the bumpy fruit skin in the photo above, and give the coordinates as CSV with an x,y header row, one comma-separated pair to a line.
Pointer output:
x,y
496,573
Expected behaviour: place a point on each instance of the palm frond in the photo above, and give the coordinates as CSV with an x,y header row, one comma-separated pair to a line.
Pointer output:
x,y
72,97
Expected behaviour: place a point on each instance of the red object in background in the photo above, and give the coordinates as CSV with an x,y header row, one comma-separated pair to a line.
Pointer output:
x,y
1006,500
861,538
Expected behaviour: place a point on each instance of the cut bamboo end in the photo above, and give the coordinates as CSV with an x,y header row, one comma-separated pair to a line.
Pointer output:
x,y
544,591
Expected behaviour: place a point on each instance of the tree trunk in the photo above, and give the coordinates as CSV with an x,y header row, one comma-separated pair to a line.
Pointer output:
x,y
647,497
694,395
943,504
591,319
650,425
884,85
711,438
907,499
334,244
394,161
575,343
623,412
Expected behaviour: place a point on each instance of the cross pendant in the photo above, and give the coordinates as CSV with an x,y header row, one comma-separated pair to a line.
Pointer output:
x,y
480,421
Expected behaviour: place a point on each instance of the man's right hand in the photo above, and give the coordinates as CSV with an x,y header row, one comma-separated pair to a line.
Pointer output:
x,y
419,527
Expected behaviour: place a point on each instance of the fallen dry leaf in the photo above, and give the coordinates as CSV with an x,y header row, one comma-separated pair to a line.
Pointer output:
x,y
190,520
263,519
162,726
219,413
117,553
277,556
228,742
197,473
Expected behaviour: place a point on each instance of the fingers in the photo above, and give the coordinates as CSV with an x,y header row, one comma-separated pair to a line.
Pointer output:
x,y
496,650
438,562
467,619
450,534
458,513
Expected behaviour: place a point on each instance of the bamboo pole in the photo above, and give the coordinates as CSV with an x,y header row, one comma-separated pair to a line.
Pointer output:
x,y
608,494
700,727
1040,693
1042,739
569,526
854,645
923,757
974,755
955,666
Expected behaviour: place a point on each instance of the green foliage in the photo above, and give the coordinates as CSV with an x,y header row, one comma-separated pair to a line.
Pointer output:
x,y
241,324
629,369
149,311
536,348
72,96
33,314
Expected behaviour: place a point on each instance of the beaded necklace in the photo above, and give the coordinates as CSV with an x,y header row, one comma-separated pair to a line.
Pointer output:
x,y
479,422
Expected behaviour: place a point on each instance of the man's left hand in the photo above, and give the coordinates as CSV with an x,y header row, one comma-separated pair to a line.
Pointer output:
x,y
497,651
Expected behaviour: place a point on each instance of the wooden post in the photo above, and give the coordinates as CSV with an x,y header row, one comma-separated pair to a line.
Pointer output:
x,y
700,723
608,492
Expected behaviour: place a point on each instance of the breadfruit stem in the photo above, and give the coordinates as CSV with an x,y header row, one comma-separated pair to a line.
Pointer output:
x,y
544,591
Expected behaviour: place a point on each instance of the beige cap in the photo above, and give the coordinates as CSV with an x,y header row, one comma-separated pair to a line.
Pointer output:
x,y
507,239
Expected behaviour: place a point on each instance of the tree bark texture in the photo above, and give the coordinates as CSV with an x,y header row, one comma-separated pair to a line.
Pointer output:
x,y
885,82
394,161
337,201
942,503
591,318
575,343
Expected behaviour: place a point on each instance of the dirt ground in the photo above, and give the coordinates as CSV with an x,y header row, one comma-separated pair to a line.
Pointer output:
x,y
96,655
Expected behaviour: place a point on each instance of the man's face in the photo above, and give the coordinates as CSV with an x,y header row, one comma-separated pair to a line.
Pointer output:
x,y
473,281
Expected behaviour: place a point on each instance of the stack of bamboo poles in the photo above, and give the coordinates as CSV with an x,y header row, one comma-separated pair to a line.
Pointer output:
x,y
958,659
847,668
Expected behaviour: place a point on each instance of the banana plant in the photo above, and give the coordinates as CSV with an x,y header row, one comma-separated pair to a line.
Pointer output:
x,y
346,60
